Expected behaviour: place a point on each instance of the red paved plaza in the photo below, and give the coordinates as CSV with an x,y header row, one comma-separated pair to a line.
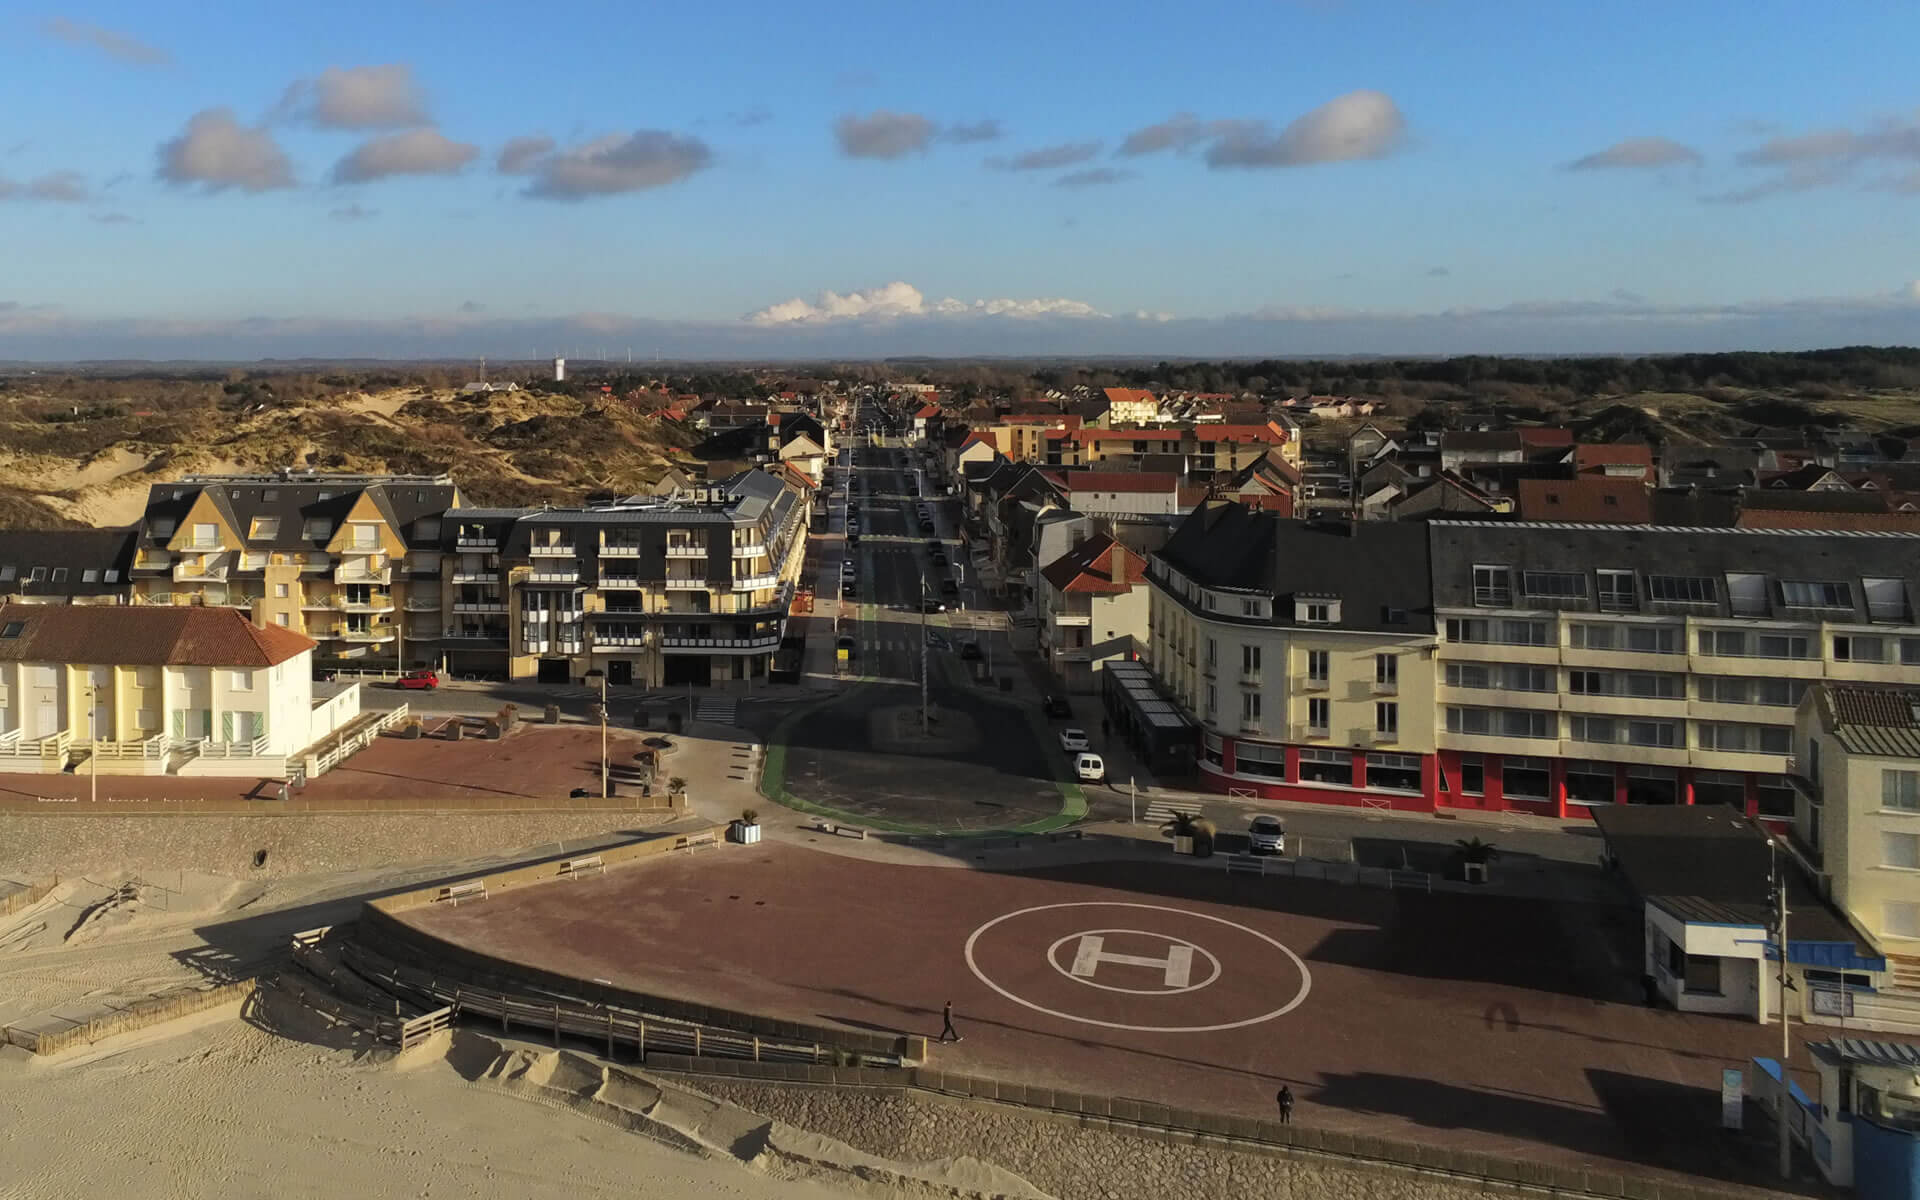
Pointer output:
x,y
1458,1018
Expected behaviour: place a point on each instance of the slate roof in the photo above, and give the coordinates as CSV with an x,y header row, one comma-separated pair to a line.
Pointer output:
x,y
1119,481
1372,566
141,635
295,499
1701,553
65,558
1875,721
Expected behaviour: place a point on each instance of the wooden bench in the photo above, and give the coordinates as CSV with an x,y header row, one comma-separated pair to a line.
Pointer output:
x,y
823,825
697,841
573,868
473,889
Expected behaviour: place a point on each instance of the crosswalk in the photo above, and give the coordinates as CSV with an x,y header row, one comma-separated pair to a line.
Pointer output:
x,y
721,710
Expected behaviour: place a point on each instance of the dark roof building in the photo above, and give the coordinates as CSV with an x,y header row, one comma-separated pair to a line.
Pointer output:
x,y
66,566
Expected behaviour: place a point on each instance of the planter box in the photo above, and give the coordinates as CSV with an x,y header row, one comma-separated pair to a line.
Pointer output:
x,y
1474,872
1183,845
746,834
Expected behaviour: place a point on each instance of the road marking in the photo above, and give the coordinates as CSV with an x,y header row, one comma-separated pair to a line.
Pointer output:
x,y
1176,967
973,940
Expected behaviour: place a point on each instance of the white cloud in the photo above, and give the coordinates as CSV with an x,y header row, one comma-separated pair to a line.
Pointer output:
x,y
114,45
1640,152
967,132
900,299
59,187
520,154
1048,158
415,152
882,134
217,152
646,158
378,97
1828,157
1362,124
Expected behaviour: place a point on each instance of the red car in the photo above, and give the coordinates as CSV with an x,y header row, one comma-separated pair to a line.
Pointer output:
x,y
418,680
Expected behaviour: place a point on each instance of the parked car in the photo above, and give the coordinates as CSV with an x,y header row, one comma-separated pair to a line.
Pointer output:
x,y
1056,706
849,589
1090,768
1266,835
425,679
1074,740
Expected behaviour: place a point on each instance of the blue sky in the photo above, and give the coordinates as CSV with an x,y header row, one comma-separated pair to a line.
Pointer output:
x,y
1337,176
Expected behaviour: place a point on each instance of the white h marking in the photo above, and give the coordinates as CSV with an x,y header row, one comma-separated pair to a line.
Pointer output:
x,y
1177,966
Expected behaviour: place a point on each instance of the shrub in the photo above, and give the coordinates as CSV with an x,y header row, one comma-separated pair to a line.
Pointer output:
x,y
749,816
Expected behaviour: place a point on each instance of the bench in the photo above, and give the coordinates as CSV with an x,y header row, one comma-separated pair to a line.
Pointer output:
x,y
697,841
573,868
821,825
473,889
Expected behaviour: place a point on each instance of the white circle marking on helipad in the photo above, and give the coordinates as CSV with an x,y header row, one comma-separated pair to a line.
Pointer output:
x,y
1196,947
1306,977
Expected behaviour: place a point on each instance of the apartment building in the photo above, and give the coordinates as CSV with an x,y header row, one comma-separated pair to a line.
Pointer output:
x,y
1305,652
65,566
333,556
654,590
1588,665
1091,606
151,690
1857,824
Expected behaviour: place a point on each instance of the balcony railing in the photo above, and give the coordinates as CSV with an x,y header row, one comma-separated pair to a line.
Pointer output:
x,y
484,575
750,550
363,574
620,550
552,550
373,604
474,542
621,581
1249,678
623,641
554,574
423,603
683,551
749,583
471,633
766,642
480,606
687,585
372,633
190,572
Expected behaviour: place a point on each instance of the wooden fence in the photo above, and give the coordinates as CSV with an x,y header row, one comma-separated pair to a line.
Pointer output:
x,y
139,1015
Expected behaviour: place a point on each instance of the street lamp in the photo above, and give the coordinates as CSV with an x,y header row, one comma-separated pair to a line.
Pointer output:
x,y
602,675
93,747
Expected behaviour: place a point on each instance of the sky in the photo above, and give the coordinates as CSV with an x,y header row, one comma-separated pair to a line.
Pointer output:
x,y
426,178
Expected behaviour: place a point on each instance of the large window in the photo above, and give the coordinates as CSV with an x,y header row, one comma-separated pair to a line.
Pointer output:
x,y
1681,589
1319,717
1317,663
1326,766
1473,775
1617,591
1720,787
1265,762
1525,777
1810,593
1641,639
1744,739
1620,730
1648,685
1589,782
1505,633
1502,722
1212,749
1394,772
1886,599
1900,790
1737,643
1507,677
1900,850
1747,594
1853,647
1554,585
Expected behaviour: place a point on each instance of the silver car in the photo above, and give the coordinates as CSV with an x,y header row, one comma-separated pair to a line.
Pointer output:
x,y
1266,835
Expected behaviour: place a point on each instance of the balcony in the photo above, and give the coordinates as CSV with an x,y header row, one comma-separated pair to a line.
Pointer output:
x,y
690,645
372,633
620,550
622,641
472,633
316,563
363,574
1070,619
418,603
552,550
687,585
554,574
684,551
1313,684
750,583
186,572
1250,679
480,606
372,604
750,550
475,542
626,582
486,575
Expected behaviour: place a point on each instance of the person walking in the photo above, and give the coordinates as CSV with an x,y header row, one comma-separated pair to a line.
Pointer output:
x,y
947,1031
1285,1099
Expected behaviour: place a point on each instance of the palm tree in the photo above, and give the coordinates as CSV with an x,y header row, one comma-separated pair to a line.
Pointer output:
x,y
1474,850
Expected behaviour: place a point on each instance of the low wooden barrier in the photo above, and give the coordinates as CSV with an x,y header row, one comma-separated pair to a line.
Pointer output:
x,y
138,1015
472,889
27,898
574,868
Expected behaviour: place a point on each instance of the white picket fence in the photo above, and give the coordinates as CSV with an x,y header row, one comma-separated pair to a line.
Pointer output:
x,y
348,746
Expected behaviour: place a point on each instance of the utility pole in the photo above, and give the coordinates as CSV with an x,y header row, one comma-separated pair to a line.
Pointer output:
x,y
93,746
1779,923
1133,802
603,735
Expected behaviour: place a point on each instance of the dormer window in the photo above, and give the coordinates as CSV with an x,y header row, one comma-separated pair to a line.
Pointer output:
x,y
264,527
1316,610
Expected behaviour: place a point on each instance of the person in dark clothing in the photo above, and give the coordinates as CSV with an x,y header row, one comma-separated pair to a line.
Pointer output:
x,y
947,1031
1285,1099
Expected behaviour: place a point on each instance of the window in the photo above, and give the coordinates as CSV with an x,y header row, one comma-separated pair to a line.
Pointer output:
x,y
1589,783
162,527
1773,645
1473,775
1267,762
1900,790
1394,772
1250,662
280,591
1213,657
1319,717
112,575
264,527
1591,637
1852,647
59,574
240,681
1326,766
1386,718
1554,585
1617,590
1492,586
1680,589
1524,776
37,575
1747,594
1386,669
1806,593
1213,703
316,528
1212,749
1702,974
1744,739
1900,850
90,575
1317,613
1249,608
1250,708
1654,639
280,619
1507,633
1316,666
1886,599
1910,652
1502,722
7,573
1393,616
205,535
12,629
1654,733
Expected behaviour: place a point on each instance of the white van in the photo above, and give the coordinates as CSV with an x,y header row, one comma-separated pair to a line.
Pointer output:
x,y
1090,768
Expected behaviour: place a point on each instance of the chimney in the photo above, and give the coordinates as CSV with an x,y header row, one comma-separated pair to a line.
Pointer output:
x,y
1117,565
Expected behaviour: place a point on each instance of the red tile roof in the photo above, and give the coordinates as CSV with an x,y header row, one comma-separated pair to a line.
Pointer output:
x,y
927,412
143,635
1591,456
1538,437
1590,499
1129,396
1087,569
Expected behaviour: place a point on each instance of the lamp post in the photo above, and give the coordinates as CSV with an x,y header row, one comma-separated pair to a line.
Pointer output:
x,y
603,733
93,747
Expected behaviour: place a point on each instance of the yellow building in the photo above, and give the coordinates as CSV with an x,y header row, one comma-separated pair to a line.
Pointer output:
x,y
340,558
